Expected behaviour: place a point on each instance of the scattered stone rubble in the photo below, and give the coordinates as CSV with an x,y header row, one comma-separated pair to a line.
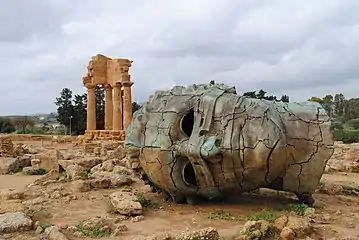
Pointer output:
x,y
345,158
105,166
6,147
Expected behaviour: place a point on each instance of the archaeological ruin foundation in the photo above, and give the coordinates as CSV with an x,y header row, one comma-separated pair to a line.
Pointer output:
x,y
114,75
206,141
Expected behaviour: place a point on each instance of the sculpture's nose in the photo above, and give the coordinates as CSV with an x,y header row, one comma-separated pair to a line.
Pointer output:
x,y
210,147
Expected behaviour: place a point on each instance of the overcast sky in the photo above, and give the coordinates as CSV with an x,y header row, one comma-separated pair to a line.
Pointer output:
x,y
295,47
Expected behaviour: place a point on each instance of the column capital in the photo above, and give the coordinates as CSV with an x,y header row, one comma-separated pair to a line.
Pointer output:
x,y
108,87
117,85
90,85
127,84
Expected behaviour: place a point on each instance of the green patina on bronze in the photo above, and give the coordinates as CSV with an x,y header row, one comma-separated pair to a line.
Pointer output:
x,y
205,140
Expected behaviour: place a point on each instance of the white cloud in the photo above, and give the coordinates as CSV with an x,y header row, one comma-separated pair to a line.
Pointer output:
x,y
300,48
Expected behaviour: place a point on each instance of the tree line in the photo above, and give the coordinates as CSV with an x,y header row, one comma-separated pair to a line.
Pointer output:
x,y
19,124
71,109
261,95
344,114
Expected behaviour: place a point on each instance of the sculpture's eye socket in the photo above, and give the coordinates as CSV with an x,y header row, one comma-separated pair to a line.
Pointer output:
x,y
187,123
189,175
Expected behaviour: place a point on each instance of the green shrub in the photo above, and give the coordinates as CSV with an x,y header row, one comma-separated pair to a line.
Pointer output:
x,y
299,209
39,171
266,214
220,214
353,123
145,202
6,126
346,136
337,126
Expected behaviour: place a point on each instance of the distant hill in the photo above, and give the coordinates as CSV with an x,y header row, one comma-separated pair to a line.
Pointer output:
x,y
40,119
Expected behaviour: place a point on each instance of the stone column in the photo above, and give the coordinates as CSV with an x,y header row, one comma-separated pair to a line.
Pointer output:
x,y
91,107
108,107
127,104
117,107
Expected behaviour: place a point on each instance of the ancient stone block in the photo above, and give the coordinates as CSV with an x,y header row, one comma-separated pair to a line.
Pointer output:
x,y
125,203
14,222
6,147
13,165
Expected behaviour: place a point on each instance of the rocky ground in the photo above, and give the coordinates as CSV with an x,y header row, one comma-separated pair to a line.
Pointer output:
x,y
51,190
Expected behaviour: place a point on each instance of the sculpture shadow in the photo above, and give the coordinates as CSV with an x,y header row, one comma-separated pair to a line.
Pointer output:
x,y
273,199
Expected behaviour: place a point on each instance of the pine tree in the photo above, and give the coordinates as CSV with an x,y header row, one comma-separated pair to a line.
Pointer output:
x,y
65,107
79,114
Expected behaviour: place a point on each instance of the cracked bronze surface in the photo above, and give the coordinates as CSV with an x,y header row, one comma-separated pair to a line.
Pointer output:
x,y
234,144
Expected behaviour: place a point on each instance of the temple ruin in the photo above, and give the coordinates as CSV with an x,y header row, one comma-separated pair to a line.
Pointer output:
x,y
113,75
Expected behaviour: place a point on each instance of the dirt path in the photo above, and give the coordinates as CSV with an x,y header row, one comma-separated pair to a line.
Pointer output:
x,y
342,177
16,181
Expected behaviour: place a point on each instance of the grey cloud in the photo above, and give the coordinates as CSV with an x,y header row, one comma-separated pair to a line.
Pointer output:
x,y
283,47
23,19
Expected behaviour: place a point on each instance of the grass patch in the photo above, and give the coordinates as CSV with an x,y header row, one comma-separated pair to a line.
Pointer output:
x,y
266,214
220,214
322,183
39,171
90,175
299,209
95,233
145,202
45,225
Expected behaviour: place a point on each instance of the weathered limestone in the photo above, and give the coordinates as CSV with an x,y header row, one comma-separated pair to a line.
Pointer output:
x,y
207,141
113,75
127,104
108,107
125,204
117,111
14,222
91,107
6,147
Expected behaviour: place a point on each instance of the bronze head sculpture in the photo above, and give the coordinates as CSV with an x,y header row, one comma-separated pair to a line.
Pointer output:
x,y
207,141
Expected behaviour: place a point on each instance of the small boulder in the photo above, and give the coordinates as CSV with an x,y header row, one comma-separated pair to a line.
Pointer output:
x,y
54,233
75,172
120,181
92,224
287,234
106,166
300,226
100,183
47,161
125,203
281,222
15,222
87,163
80,186
122,171
206,233
256,229
13,165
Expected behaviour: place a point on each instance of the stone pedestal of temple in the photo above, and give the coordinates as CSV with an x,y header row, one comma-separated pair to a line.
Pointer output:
x,y
103,135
